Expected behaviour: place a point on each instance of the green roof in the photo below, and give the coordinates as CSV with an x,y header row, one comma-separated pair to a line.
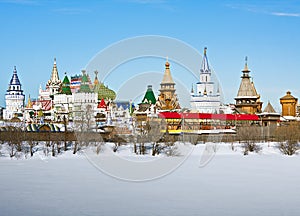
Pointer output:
x,y
85,86
104,92
65,87
149,97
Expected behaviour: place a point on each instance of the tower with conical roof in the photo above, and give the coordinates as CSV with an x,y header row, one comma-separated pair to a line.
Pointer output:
x,y
65,86
289,104
103,91
269,117
54,83
205,99
147,106
167,99
149,97
14,97
85,84
247,99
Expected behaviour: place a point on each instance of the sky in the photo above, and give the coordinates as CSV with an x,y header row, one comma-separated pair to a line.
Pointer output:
x,y
33,32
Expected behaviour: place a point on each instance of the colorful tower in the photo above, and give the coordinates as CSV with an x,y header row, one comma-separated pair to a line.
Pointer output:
x,y
54,83
247,99
14,97
103,91
149,97
65,87
147,106
167,99
85,84
206,98
288,104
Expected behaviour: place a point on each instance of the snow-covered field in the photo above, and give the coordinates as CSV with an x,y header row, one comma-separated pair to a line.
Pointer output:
x,y
265,183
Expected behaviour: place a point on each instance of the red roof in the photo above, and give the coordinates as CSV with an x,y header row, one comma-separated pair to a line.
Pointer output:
x,y
238,117
102,104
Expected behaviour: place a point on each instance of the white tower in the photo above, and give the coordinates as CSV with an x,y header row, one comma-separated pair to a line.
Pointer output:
x,y
206,98
14,97
53,85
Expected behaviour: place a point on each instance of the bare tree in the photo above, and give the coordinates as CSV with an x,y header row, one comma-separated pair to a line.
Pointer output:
x,y
249,136
83,126
288,137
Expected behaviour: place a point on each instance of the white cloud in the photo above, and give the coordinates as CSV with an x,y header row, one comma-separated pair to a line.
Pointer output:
x,y
268,9
285,14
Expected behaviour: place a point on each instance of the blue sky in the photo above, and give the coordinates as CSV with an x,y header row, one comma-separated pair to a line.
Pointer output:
x,y
34,32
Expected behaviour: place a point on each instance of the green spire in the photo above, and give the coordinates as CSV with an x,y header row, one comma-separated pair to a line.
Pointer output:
x,y
65,88
149,97
85,85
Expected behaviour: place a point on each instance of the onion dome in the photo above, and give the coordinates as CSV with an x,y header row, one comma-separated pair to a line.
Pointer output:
x,y
103,91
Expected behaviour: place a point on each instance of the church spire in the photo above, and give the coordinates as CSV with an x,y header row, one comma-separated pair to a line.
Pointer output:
x,y
29,103
246,69
96,81
54,76
247,100
205,66
167,75
192,90
54,82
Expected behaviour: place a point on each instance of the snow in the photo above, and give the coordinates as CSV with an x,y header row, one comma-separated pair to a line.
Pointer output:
x,y
265,183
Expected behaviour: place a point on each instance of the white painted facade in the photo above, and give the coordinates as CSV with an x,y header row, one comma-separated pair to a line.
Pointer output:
x,y
206,97
14,97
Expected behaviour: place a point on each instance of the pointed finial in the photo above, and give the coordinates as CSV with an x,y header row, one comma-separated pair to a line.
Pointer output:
x,y
192,90
246,64
54,60
167,63
65,72
15,69
29,103
205,48
96,81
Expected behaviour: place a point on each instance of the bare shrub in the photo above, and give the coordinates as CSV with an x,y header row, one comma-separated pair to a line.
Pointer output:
x,y
288,137
249,136
289,148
